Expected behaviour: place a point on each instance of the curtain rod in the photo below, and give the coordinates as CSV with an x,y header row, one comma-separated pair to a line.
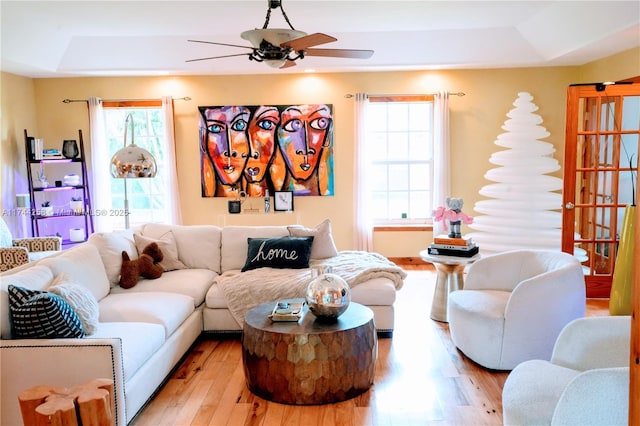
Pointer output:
x,y
68,101
350,95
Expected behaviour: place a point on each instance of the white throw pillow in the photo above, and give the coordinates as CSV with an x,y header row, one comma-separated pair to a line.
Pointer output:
x,y
323,245
111,245
82,264
167,244
80,299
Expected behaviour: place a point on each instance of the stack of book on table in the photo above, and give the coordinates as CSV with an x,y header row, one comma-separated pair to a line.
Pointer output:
x,y
444,245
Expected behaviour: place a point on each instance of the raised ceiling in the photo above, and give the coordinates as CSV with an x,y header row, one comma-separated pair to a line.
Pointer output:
x,y
116,38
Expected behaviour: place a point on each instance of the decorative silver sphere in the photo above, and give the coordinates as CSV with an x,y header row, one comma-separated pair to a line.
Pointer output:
x,y
328,296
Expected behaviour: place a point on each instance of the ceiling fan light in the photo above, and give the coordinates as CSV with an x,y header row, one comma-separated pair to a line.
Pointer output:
x,y
275,36
275,63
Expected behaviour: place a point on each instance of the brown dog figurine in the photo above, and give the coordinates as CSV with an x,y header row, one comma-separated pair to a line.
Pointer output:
x,y
147,266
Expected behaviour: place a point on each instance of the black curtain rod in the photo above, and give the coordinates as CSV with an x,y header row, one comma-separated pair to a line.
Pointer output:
x,y
68,101
350,95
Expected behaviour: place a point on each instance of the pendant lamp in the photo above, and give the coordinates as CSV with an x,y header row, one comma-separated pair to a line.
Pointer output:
x,y
131,162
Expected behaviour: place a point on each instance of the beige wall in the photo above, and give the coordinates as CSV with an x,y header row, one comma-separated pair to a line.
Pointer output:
x,y
17,112
476,121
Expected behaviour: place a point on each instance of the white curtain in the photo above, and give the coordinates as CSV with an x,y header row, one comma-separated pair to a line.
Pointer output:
x,y
363,230
100,176
441,154
171,179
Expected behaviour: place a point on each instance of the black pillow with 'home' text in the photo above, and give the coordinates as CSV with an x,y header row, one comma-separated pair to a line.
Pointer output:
x,y
280,252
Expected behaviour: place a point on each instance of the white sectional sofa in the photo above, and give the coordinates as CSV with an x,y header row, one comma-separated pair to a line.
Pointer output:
x,y
143,332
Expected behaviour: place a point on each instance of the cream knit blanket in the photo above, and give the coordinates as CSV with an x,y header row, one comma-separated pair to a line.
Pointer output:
x,y
245,290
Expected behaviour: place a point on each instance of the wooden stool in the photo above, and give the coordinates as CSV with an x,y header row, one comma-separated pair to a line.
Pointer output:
x,y
47,405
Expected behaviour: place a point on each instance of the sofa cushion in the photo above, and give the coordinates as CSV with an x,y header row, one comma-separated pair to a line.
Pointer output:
x,y
167,245
39,314
190,282
215,298
235,245
110,246
140,341
374,292
198,245
281,252
80,299
83,265
323,244
167,309
35,277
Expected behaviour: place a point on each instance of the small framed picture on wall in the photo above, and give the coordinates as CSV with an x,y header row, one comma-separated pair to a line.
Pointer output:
x,y
283,201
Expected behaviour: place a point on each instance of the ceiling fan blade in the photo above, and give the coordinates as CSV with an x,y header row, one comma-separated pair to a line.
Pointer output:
x,y
288,64
217,57
220,44
307,41
340,53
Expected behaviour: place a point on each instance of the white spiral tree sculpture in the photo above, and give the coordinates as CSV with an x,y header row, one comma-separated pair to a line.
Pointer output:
x,y
524,212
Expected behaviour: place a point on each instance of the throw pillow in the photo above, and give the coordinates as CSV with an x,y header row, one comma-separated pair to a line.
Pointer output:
x,y
41,315
323,245
167,244
281,252
80,299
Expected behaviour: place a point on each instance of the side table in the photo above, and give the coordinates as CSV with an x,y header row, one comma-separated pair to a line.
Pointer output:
x,y
449,278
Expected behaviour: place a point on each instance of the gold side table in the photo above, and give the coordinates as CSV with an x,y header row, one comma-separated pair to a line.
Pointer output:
x,y
450,278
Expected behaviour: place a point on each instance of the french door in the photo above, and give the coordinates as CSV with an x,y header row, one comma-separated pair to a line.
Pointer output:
x,y
601,162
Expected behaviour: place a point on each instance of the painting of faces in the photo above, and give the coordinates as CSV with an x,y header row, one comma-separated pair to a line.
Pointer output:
x,y
255,149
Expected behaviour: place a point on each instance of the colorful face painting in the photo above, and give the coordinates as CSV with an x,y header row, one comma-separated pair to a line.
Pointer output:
x,y
266,148
262,142
225,141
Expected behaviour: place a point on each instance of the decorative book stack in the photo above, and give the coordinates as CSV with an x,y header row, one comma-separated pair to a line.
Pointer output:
x,y
444,245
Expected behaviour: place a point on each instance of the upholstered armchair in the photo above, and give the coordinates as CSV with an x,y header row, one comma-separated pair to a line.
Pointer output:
x,y
20,251
586,382
514,304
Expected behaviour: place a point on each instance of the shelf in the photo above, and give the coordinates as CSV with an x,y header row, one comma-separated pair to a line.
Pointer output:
x,y
58,216
57,160
58,188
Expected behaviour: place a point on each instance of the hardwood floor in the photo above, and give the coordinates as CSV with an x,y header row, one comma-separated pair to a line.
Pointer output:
x,y
421,379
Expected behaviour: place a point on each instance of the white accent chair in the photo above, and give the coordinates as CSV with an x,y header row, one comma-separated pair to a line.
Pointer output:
x,y
514,304
585,383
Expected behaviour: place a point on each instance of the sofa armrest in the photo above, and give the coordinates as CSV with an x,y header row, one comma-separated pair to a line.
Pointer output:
x,y
58,362
595,397
35,244
11,257
594,342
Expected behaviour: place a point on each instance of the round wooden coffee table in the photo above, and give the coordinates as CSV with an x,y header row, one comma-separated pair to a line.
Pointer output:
x,y
309,361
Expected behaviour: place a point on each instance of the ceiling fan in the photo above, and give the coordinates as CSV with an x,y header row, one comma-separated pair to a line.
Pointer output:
x,y
282,47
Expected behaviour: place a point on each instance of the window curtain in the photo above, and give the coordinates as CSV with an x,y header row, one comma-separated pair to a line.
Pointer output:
x,y
441,154
100,176
171,179
363,229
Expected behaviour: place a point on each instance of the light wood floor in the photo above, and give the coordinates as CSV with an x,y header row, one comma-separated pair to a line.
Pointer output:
x,y
421,379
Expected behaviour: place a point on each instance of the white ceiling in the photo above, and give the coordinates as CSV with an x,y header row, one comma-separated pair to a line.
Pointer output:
x,y
107,38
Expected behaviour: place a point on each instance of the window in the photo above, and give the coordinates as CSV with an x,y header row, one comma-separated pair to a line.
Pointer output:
x,y
400,134
147,197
